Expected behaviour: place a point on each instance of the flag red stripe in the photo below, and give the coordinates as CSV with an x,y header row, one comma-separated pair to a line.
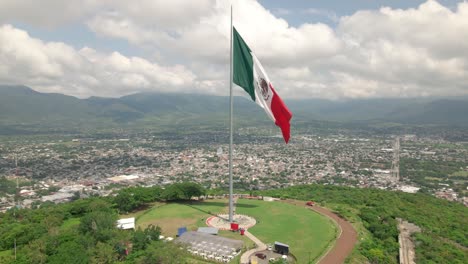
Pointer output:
x,y
281,113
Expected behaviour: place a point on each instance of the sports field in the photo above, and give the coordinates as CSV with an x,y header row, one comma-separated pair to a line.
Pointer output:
x,y
307,233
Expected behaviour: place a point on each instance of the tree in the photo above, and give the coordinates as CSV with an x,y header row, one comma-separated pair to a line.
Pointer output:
x,y
36,251
125,202
182,191
142,238
103,254
99,224
139,240
162,253
191,189
69,252
52,223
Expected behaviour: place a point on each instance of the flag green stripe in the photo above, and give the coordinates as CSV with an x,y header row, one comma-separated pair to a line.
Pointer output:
x,y
243,65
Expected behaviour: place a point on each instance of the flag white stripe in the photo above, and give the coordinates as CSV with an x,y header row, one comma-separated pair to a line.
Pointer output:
x,y
263,99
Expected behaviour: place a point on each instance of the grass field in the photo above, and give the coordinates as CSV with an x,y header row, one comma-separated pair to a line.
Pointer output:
x,y
174,215
307,233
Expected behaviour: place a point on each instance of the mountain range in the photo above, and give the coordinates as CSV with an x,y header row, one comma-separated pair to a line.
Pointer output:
x,y
22,106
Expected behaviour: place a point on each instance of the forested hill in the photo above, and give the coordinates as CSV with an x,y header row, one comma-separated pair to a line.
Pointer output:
x,y
84,231
22,105
443,223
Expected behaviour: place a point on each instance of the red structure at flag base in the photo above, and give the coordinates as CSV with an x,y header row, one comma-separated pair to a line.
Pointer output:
x,y
234,226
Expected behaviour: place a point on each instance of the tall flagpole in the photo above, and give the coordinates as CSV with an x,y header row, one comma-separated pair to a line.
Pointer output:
x,y
17,193
231,102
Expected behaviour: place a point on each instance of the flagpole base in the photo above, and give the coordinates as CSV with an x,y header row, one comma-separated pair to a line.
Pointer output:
x,y
222,222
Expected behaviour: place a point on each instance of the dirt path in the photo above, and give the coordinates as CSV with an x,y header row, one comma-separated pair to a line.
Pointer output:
x,y
347,236
345,242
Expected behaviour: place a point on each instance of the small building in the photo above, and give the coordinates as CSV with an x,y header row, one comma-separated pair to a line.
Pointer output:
x,y
126,223
281,248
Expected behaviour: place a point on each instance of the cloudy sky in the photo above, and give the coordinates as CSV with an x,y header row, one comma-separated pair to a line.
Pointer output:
x,y
322,48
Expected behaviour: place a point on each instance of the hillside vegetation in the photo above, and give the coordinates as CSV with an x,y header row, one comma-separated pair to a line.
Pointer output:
x,y
84,231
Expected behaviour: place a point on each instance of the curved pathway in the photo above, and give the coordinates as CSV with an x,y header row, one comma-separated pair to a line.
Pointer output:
x,y
347,236
260,247
345,242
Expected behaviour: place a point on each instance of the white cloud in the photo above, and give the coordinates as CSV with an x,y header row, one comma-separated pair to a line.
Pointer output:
x,y
422,48
47,13
205,39
390,53
206,35
373,53
57,67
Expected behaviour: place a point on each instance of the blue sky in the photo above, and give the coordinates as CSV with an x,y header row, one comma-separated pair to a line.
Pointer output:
x,y
325,49
335,7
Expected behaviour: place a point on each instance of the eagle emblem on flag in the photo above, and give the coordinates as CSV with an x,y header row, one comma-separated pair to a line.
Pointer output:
x,y
264,87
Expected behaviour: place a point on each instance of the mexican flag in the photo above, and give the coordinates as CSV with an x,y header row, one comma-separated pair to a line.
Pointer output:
x,y
250,75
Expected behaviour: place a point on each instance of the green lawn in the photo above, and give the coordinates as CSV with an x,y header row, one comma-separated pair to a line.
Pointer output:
x,y
305,231
173,215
